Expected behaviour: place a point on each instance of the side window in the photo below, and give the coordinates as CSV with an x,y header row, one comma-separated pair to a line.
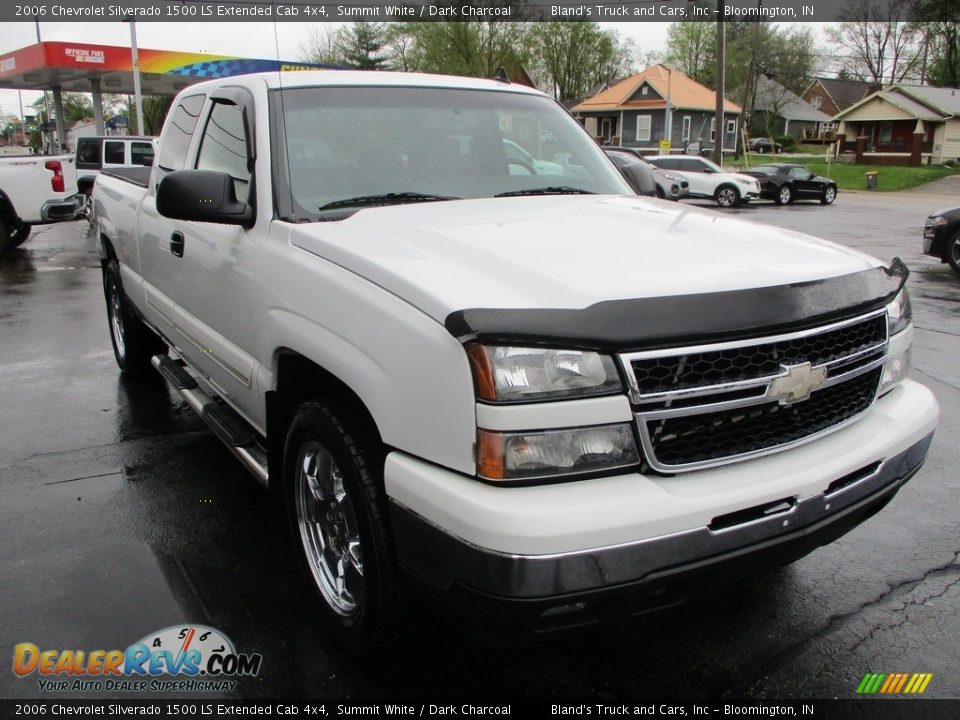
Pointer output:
x,y
223,146
88,153
179,131
113,152
140,152
799,173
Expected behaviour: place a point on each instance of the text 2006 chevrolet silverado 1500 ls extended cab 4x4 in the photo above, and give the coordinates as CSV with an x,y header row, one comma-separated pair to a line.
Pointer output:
x,y
538,393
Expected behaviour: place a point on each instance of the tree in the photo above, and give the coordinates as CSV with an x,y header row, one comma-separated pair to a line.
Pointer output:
x,y
76,106
323,45
364,45
572,57
691,47
474,48
885,50
938,22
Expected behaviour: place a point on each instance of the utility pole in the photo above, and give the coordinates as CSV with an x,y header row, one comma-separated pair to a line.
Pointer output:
x,y
718,114
135,57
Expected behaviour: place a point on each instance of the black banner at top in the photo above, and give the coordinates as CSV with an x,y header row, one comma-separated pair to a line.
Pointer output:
x,y
472,10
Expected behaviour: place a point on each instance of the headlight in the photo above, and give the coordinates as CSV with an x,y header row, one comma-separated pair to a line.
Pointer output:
x,y
672,178
744,181
520,374
934,222
900,332
899,314
529,455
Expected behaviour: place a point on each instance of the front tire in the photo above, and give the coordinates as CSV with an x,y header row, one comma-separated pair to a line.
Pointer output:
x,y
784,195
829,195
6,236
952,252
133,342
726,196
336,509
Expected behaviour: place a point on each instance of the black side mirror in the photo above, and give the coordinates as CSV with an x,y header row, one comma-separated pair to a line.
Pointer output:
x,y
202,196
640,177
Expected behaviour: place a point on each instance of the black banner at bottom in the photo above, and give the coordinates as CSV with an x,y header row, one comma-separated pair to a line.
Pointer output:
x,y
885,709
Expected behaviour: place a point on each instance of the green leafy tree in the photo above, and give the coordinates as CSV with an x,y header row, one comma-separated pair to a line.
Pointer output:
x,y
365,46
572,57
692,49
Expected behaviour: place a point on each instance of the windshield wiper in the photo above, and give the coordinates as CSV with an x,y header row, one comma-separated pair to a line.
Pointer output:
x,y
551,190
384,199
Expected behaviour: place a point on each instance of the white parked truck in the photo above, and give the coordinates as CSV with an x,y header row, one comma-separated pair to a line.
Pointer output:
x,y
34,190
538,396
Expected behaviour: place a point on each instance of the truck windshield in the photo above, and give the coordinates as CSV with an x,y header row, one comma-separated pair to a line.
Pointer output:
x,y
359,146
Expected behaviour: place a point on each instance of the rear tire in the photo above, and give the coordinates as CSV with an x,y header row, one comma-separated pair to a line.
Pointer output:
x,y
6,238
952,252
784,195
726,196
20,234
337,512
133,342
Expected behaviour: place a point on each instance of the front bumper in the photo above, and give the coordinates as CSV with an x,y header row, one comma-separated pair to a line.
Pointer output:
x,y
933,243
59,210
629,543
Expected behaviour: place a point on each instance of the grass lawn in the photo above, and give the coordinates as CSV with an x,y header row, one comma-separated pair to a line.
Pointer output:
x,y
889,177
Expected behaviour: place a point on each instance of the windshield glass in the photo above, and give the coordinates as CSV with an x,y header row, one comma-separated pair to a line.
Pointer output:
x,y
343,143
765,169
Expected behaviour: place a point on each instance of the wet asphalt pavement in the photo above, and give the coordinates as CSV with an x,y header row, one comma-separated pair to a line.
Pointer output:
x,y
120,514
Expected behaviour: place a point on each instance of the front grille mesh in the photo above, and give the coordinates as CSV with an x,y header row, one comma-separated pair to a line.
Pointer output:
x,y
713,436
713,367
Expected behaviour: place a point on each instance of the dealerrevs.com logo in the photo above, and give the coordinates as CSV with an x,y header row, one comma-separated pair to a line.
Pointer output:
x,y
200,659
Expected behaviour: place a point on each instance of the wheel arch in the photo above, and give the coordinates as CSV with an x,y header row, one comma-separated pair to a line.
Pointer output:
x,y
298,378
7,210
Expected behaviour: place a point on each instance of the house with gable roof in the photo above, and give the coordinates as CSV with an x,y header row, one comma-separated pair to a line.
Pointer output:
x,y
660,103
903,124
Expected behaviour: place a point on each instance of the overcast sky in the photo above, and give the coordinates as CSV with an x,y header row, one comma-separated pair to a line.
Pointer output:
x,y
244,39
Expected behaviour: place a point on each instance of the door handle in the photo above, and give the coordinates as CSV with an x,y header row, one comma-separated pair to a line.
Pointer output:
x,y
176,244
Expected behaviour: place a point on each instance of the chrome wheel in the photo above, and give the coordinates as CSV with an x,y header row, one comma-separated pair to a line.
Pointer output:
x,y
328,529
829,195
785,194
726,197
115,306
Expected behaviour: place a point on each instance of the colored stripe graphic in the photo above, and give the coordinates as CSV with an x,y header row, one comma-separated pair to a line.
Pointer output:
x,y
894,683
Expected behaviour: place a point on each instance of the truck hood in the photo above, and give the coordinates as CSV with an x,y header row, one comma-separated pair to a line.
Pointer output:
x,y
567,252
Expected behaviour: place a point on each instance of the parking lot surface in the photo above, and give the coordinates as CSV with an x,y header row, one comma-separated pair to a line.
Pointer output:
x,y
120,515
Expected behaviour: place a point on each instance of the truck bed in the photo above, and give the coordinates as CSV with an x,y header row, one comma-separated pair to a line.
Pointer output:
x,y
137,175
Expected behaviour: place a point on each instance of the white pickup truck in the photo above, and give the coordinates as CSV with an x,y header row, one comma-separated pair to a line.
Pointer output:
x,y
538,396
34,190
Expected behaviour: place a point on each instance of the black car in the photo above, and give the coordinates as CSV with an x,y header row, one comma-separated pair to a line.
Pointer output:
x,y
784,183
941,237
765,145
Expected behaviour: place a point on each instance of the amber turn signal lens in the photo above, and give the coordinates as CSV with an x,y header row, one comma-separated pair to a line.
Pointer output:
x,y
483,382
490,455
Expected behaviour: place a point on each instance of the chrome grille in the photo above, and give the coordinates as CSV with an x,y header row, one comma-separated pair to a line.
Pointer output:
x,y
714,404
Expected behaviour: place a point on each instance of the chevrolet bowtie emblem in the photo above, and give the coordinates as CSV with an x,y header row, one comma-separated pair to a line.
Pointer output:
x,y
797,384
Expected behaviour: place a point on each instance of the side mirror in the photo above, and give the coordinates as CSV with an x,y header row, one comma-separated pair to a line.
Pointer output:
x,y
707,170
202,196
640,177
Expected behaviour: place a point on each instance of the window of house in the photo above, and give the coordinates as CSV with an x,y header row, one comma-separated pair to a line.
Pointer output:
x,y
223,147
643,90
685,132
731,127
817,102
643,128
886,132
713,129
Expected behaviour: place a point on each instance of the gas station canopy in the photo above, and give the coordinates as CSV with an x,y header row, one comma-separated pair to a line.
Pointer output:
x,y
72,66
